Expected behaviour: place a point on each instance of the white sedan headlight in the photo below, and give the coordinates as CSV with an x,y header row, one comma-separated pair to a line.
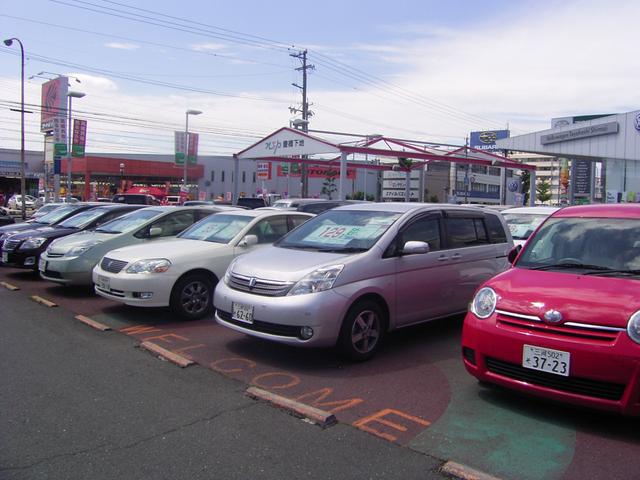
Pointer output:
x,y
484,303
317,281
151,265
633,327
32,242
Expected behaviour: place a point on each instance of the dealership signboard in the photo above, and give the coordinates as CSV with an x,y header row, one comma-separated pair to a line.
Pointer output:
x,y
486,140
53,102
263,170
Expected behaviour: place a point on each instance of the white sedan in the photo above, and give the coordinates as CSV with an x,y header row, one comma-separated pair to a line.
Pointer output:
x,y
182,273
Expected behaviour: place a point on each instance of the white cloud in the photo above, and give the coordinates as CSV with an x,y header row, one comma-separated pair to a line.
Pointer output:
x,y
522,68
122,46
207,47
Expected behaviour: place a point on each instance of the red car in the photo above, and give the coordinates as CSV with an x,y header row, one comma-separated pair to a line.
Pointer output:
x,y
564,321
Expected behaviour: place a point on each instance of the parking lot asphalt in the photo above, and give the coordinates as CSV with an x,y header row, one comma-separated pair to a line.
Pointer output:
x,y
415,393
82,404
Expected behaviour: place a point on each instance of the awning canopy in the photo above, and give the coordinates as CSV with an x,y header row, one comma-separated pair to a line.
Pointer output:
x,y
290,145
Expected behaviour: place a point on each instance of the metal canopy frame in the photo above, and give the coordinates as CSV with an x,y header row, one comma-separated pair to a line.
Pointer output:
x,y
396,149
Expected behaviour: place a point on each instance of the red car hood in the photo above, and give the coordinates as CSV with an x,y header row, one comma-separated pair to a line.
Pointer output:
x,y
579,298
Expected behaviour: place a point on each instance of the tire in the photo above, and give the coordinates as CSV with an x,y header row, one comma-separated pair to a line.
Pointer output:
x,y
362,331
192,296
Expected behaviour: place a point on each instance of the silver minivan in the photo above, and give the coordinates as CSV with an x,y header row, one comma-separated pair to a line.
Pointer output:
x,y
351,274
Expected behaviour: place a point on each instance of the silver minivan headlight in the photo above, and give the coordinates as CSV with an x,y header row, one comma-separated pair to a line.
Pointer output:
x,y
484,303
633,327
227,273
317,281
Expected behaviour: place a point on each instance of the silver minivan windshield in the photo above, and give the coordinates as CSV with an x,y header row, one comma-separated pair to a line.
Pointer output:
x,y
340,231
590,246
128,222
219,228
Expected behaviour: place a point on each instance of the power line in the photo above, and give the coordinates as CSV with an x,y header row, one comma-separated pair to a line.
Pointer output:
x,y
131,78
146,42
328,62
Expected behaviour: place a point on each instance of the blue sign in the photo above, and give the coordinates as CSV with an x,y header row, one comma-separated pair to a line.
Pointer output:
x,y
486,140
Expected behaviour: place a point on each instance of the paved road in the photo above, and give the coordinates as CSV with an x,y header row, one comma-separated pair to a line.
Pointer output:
x,y
78,403
416,393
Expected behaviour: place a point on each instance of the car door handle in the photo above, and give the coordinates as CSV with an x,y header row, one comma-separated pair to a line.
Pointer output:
x,y
443,258
456,256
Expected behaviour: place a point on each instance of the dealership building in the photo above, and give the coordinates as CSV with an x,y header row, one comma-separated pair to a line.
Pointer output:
x,y
598,156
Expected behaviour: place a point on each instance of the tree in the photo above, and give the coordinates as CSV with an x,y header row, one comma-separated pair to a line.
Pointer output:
x,y
329,184
543,189
359,196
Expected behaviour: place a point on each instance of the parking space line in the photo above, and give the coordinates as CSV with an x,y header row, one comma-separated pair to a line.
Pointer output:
x,y
9,286
92,323
317,416
43,301
459,470
166,354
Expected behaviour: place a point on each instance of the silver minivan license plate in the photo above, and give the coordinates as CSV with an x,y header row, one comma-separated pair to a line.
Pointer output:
x,y
546,360
42,264
242,313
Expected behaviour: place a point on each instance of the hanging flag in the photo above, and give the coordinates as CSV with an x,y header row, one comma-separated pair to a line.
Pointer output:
x,y
79,137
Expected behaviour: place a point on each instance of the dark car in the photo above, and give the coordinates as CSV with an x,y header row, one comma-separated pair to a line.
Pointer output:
x,y
135,199
251,202
23,249
5,218
52,218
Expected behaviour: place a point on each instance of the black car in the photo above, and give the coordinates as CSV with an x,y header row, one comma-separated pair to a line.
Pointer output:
x,y
23,249
251,202
5,218
52,218
135,199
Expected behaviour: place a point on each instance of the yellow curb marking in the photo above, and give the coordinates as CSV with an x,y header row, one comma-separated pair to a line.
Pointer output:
x,y
43,301
9,286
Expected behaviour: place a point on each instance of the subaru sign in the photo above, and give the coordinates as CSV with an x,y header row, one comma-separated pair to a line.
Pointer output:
x,y
486,140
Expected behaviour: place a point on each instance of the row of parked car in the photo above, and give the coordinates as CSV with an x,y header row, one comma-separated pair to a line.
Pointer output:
x,y
558,317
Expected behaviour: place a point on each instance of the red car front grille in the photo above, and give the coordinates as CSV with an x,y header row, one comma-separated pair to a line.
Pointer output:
x,y
522,325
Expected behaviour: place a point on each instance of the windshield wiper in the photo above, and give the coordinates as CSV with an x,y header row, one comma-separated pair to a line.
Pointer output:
x,y
106,231
295,247
568,265
343,250
614,271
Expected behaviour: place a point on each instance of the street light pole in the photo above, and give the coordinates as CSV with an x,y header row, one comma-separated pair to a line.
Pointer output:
x,y
186,153
71,95
121,177
23,183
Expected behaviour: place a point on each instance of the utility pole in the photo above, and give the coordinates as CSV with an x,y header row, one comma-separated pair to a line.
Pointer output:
x,y
305,115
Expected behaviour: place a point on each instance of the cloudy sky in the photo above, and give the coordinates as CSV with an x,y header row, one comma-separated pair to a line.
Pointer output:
x,y
413,69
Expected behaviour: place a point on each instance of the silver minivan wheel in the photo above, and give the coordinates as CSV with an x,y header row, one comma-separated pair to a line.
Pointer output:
x,y
362,330
192,296
365,331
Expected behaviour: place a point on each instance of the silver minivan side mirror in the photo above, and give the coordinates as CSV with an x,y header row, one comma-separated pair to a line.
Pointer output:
x,y
155,232
414,247
248,241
